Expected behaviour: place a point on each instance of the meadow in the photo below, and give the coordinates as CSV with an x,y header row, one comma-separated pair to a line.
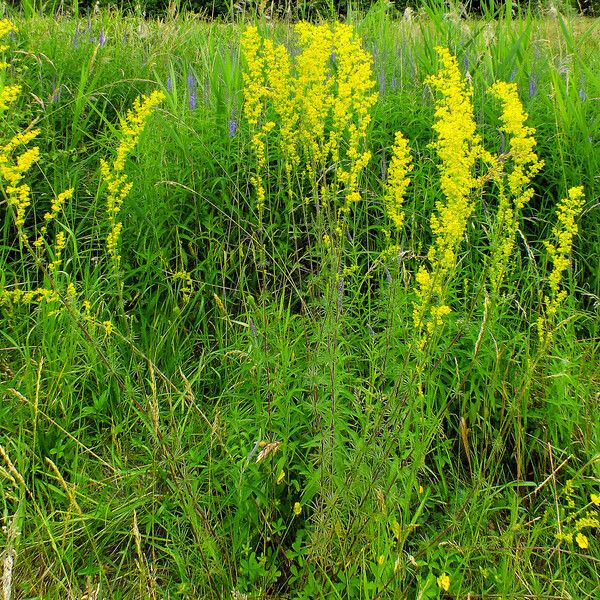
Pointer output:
x,y
300,310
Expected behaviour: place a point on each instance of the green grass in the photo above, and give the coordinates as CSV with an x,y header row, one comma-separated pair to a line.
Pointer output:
x,y
129,461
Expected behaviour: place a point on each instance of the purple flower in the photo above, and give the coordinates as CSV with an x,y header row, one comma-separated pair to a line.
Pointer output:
x,y
582,94
502,142
191,82
340,287
394,83
55,91
513,74
232,126
388,275
101,38
75,41
191,85
532,85
169,84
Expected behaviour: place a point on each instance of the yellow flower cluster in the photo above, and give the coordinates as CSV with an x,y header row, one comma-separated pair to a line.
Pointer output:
x,y
319,106
458,146
12,170
114,174
559,252
443,582
353,98
579,521
15,161
514,190
19,296
397,180
8,93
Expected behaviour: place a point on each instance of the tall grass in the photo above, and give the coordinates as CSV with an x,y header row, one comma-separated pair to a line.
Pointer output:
x,y
244,404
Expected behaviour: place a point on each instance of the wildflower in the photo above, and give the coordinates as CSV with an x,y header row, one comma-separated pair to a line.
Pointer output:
x,y
191,86
582,541
108,327
595,499
280,477
443,582
397,182
532,85
381,559
101,38
297,509
514,190
232,127
457,146
113,173
559,251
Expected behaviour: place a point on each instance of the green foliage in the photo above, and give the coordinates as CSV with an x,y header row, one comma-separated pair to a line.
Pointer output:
x,y
247,426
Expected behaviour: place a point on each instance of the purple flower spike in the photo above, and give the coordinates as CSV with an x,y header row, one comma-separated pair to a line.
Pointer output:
x,y
101,38
169,84
191,85
394,83
232,127
191,82
582,94
340,298
532,86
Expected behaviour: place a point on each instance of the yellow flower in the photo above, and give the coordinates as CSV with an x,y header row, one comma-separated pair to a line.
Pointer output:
x,y
297,509
458,146
381,560
397,181
514,190
113,173
595,499
582,541
443,582
280,477
559,251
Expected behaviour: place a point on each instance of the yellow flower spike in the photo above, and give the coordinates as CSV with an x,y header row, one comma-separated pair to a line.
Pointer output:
x,y
113,174
559,251
443,582
458,147
397,180
514,190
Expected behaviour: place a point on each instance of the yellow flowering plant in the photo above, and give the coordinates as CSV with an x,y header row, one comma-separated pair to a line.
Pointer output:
x,y
559,251
457,146
513,172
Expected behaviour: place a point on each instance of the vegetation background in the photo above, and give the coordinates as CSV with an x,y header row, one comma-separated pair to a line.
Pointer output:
x,y
234,402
